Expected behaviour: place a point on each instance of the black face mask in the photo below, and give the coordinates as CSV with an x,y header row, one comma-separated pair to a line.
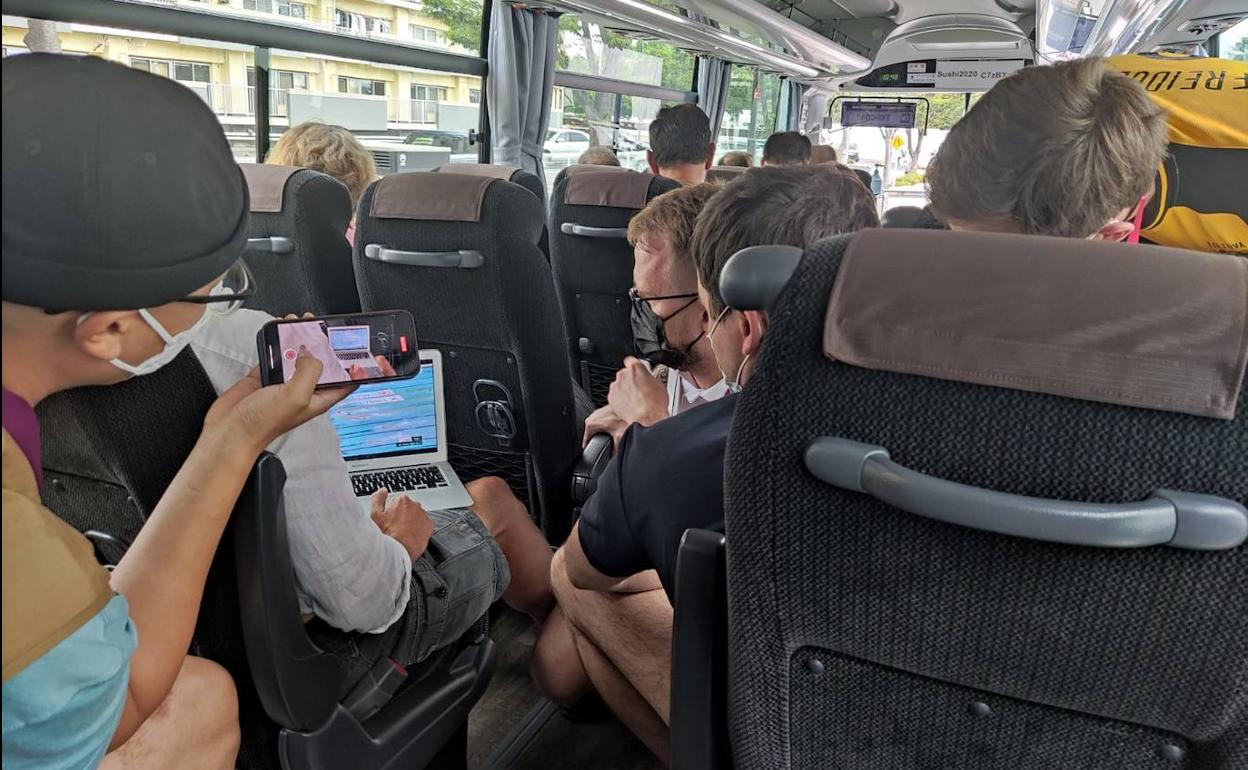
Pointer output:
x,y
648,334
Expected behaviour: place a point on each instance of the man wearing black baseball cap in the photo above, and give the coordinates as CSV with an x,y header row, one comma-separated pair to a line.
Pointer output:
x,y
124,219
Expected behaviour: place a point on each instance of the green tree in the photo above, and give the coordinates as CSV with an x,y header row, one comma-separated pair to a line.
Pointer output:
x,y
462,19
1239,51
946,109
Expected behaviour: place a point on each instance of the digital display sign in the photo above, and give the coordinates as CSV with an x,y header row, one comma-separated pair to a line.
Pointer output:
x,y
879,115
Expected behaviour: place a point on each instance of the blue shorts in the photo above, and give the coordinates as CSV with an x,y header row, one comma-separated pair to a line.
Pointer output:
x,y
454,582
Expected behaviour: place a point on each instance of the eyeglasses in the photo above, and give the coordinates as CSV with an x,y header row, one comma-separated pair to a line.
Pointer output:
x,y
230,293
636,298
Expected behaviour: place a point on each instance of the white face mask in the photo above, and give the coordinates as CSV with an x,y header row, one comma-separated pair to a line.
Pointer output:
x,y
733,385
174,344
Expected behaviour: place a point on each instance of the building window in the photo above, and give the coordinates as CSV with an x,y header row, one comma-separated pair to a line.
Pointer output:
x,y
280,7
361,86
359,24
425,100
474,95
281,83
427,34
183,71
14,50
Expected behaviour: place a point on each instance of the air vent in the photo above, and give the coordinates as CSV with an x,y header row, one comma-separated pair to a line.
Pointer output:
x,y
383,160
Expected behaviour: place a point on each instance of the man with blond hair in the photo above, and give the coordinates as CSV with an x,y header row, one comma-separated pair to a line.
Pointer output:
x,y
1068,150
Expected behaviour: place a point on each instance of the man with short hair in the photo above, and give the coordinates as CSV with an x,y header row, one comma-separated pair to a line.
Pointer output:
x,y
737,159
681,146
122,236
669,478
1078,168
822,153
675,371
598,156
787,148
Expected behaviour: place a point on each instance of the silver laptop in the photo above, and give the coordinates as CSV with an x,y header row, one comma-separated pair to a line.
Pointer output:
x,y
393,435
353,347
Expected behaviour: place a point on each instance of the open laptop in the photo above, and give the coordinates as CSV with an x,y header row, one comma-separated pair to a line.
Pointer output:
x,y
353,347
393,435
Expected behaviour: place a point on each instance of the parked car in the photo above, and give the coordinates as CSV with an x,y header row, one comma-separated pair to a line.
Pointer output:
x,y
567,142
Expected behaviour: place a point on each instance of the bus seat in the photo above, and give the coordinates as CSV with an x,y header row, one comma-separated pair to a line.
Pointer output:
x,y
460,252
907,586
593,264
911,216
297,246
108,455
426,720
724,174
525,179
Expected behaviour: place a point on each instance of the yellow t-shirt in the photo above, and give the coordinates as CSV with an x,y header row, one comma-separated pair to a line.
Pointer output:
x,y
1201,200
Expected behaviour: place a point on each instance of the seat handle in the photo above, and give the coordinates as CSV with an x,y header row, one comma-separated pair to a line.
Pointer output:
x,y
462,258
274,245
585,231
1177,519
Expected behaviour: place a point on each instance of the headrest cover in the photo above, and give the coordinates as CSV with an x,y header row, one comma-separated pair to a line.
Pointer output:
x,y
504,173
267,185
724,173
614,187
1141,326
120,190
430,197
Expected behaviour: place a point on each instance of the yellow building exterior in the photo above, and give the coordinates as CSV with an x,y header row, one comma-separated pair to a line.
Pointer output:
x,y
222,72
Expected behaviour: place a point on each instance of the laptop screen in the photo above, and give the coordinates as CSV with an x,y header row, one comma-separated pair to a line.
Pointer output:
x,y
349,338
389,418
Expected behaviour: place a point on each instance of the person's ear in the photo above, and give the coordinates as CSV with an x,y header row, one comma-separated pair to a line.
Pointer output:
x,y
99,335
710,155
753,329
1114,231
654,167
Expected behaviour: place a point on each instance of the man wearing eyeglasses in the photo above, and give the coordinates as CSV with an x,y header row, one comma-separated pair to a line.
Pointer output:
x,y
675,370
124,219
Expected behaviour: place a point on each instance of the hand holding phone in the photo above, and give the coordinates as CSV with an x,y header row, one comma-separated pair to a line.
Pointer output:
x,y
356,348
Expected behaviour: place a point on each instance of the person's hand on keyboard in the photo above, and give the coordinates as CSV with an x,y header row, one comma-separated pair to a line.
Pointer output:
x,y
404,520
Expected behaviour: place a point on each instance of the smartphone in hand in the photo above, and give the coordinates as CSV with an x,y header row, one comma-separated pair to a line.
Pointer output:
x,y
355,348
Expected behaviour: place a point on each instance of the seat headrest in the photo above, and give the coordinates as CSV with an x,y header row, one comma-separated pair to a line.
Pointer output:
x,y
606,186
1126,324
267,184
724,173
910,216
433,197
505,173
754,277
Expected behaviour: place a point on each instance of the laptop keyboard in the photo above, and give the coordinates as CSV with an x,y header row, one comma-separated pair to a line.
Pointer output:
x,y
358,356
399,480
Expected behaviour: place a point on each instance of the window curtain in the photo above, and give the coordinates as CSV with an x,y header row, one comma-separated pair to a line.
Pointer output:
x,y
790,113
714,77
521,84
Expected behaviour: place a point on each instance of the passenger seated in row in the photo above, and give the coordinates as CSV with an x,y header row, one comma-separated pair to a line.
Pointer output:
x,y
787,148
124,220
397,581
1068,149
738,159
822,153
598,156
681,146
668,478
667,321
331,150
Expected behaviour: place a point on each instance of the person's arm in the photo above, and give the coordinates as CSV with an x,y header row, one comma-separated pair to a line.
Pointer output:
x,y
583,574
637,396
162,575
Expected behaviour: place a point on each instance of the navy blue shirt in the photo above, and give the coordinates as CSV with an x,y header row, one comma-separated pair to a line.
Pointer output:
x,y
664,480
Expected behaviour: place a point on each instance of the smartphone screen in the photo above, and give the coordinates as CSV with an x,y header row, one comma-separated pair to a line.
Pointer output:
x,y
357,348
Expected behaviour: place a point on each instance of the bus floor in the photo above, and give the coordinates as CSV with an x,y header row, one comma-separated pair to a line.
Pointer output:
x,y
513,728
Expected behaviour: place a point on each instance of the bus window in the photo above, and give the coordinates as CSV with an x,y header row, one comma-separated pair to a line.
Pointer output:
x,y
749,113
898,156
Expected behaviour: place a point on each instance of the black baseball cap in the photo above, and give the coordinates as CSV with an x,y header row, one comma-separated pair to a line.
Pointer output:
x,y
120,190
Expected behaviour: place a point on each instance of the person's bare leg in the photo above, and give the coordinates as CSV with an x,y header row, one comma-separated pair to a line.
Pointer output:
x,y
632,632
528,554
556,665
624,700
195,728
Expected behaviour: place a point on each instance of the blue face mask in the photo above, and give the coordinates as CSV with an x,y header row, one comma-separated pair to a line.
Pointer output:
x,y
733,385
